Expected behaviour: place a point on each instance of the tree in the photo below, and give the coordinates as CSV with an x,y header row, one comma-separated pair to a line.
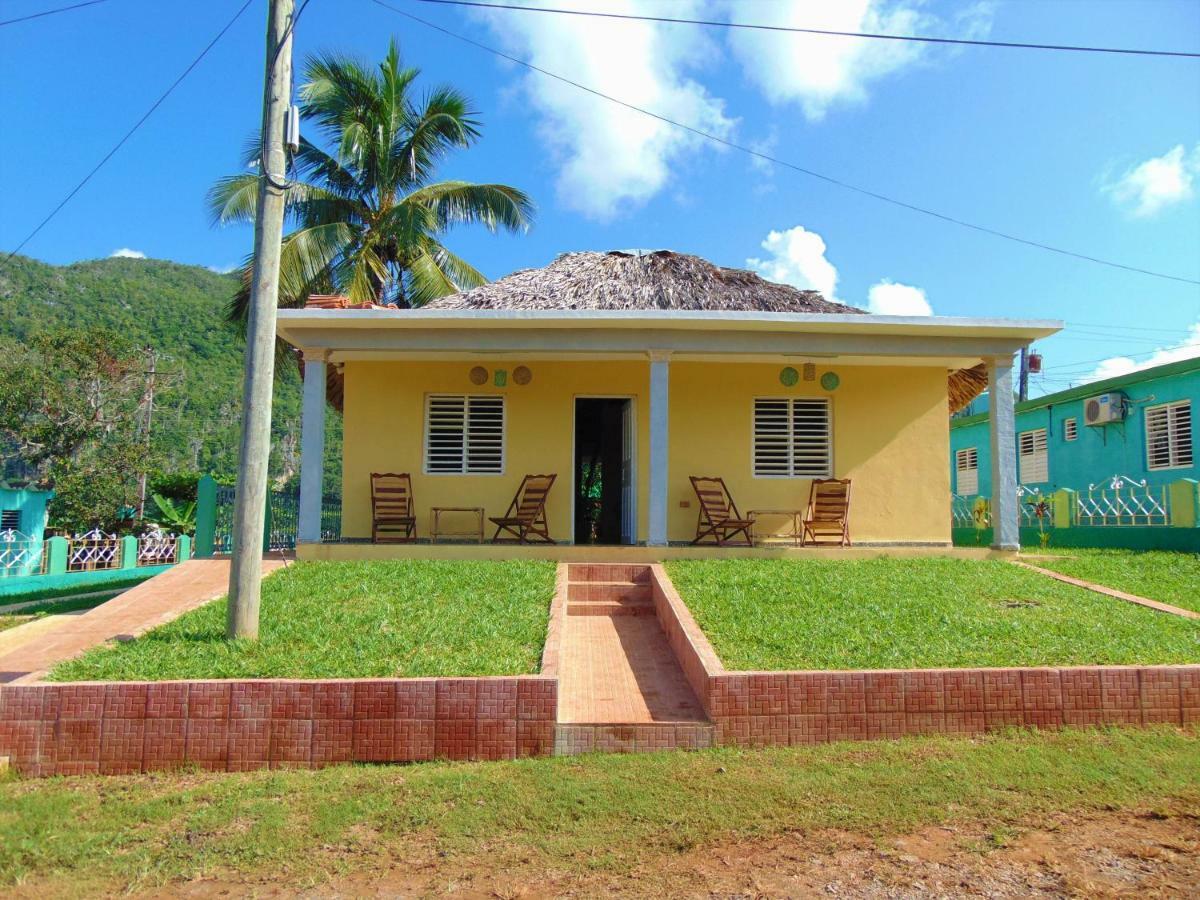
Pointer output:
x,y
368,217
71,411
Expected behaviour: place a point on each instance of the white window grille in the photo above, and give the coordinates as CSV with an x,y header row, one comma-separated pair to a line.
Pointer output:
x,y
966,467
1033,459
793,438
1169,435
464,435
1070,429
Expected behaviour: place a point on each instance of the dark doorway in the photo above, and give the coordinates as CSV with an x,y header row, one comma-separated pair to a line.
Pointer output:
x,y
603,470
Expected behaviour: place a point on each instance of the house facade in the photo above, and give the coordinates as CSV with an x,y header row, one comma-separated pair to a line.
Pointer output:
x,y
1150,439
647,368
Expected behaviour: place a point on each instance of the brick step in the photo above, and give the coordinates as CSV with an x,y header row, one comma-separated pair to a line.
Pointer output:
x,y
611,608
571,739
607,590
608,572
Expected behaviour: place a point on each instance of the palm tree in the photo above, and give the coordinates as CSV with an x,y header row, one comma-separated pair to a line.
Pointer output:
x,y
368,216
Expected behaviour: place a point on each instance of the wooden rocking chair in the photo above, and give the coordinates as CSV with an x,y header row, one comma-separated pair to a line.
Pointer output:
x,y
526,516
719,518
828,513
392,517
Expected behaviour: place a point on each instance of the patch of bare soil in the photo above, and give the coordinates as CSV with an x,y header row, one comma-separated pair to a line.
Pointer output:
x,y
1093,855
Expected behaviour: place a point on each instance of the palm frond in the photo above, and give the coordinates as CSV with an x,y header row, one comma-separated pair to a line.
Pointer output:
x,y
436,272
462,202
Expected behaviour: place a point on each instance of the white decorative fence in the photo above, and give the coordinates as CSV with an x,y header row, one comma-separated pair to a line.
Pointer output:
x,y
94,550
1122,500
21,554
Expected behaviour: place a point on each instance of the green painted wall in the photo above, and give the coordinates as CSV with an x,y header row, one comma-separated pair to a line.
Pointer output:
x,y
1132,538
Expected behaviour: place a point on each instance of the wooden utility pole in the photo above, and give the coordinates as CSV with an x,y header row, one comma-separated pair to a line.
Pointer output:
x,y
149,401
1023,382
245,574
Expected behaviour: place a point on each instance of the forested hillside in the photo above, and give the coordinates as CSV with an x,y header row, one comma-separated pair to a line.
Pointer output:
x,y
179,311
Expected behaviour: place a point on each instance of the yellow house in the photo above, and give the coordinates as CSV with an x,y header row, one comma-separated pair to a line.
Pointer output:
x,y
625,373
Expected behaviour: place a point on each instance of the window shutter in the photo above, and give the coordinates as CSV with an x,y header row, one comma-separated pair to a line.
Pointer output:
x,y
1034,464
464,435
792,438
1070,429
966,464
10,520
1169,436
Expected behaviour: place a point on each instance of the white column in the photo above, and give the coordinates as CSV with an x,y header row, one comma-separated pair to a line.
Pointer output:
x,y
1002,419
312,448
659,417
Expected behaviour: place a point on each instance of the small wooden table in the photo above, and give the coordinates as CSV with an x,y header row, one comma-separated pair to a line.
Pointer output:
x,y
435,523
797,535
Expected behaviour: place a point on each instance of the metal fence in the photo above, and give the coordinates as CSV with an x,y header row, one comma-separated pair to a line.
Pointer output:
x,y
282,521
92,551
20,554
1122,500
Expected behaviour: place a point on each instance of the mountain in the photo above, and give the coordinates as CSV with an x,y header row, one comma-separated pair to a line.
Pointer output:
x,y
178,311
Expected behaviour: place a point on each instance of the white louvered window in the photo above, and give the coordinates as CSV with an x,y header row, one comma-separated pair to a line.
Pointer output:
x,y
793,438
1070,429
1033,460
1169,436
966,469
464,435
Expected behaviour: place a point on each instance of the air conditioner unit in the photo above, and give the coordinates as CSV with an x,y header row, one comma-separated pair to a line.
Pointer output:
x,y
1104,409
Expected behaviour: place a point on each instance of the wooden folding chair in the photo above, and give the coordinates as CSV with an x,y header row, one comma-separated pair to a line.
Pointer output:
x,y
719,518
393,519
526,516
828,513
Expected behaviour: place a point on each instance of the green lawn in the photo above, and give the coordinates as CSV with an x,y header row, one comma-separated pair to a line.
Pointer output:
x,y
917,613
1162,575
602,812
51,607
353,620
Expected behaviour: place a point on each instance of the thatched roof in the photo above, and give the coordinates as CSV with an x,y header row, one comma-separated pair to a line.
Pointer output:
x,y
658,279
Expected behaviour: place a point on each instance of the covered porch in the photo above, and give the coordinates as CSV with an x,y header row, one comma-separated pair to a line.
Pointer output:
x,y
767,401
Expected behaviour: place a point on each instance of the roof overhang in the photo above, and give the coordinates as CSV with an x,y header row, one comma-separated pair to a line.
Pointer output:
x,y
384,333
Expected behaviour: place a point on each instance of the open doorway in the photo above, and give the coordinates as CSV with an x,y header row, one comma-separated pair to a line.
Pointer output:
x,y
604,471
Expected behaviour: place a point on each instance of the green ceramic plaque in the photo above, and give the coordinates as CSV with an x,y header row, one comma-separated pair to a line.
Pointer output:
x,y
501,378
830,381
788,376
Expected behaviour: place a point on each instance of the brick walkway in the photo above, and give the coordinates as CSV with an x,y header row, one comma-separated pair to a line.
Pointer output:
x,y
616,664
150,604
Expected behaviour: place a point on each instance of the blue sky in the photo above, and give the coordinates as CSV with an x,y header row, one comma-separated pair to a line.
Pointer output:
x,y
1095,153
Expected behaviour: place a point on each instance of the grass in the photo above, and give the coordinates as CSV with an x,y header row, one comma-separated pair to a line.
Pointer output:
x,y
353,620
917,613
597,812
115,585
1162,575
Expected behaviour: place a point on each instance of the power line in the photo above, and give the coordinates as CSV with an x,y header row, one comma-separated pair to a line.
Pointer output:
x,y
1059,370
136,125
1111,326
788,165
1018,45
50,12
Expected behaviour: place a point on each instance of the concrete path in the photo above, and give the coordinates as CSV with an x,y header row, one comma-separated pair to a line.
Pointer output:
x,y
616,665
1109,592
141,608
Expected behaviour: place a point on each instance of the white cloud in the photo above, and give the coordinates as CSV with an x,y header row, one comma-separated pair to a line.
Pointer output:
x,y
1159,182
890,298
613,158
818,71
224,270
126,253
797,257
1188,348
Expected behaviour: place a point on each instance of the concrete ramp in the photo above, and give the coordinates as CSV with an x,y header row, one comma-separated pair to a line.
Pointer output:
x,y
139,609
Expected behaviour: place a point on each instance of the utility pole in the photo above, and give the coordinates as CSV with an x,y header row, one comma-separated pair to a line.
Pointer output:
x,y
245,574
1023,383
149,401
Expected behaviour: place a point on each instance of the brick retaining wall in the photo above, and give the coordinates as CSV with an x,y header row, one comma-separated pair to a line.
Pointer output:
x,y
781,708
111,728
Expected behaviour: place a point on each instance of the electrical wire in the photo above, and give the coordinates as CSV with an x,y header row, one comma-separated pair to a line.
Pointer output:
x,y
136,125
785,164
50,12
1018,45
